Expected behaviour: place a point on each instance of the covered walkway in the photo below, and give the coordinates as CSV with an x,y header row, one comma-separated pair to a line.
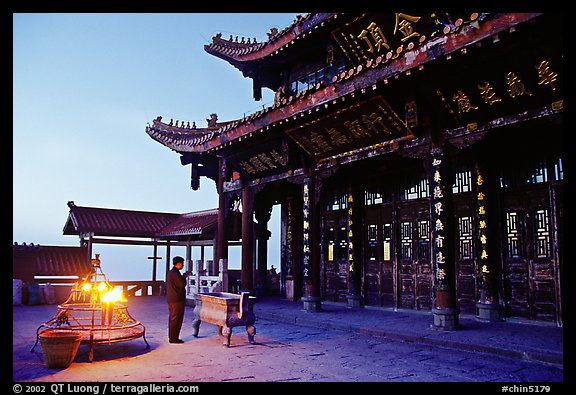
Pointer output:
x,y
97,225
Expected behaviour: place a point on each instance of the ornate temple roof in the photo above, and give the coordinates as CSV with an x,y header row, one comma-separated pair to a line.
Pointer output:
x,y
447,41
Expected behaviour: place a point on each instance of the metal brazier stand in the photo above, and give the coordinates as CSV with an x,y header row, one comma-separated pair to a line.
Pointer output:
x,y
96,310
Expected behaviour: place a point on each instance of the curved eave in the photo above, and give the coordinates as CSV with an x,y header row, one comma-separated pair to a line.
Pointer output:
x,y
238,53
181,139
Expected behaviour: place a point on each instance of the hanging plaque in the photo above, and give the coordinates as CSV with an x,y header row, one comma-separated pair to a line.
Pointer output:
x,y
351,129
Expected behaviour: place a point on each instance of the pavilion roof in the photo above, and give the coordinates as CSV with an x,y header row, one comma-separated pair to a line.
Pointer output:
x,y
131,223
195,223
52,260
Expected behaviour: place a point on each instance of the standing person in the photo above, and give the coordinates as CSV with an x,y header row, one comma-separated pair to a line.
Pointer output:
x,y
176,297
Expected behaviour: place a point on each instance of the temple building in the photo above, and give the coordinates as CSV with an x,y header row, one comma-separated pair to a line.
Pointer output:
x,y
417,159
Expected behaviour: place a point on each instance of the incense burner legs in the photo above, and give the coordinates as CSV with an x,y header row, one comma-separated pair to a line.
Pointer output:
x,y
227,311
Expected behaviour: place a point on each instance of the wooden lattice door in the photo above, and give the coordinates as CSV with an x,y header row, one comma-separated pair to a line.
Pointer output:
x,y
530,287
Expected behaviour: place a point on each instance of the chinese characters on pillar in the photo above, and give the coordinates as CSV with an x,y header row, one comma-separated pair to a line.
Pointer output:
x,y
289,235
484,265
306,231
438,216
349,233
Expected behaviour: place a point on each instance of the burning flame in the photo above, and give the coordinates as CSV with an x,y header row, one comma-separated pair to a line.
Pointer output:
x,y
113,296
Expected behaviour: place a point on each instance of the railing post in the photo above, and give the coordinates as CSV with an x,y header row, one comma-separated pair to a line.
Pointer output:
x,y
223,275
198,269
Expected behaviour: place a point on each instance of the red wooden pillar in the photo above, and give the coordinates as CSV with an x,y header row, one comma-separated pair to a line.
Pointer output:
x,y
353,240
221,236
445,311
262,216
167,261
155,260
311,246
247,240
488,307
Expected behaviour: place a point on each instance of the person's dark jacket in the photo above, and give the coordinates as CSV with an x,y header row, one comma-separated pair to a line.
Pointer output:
x,y
175,286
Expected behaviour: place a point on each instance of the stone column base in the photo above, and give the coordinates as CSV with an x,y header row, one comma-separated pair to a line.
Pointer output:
x,y
488,312
354,300
312,303
289,289
445,319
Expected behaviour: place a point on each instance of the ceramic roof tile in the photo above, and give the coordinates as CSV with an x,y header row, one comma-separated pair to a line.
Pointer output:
x,y
54,260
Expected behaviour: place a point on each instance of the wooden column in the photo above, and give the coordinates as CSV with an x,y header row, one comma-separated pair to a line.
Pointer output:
x,y
154,260
354,240
311,245
188,267
262,216
289,254
488,307
221,250
89,243
441,214
215,259
247,284
188,255
167,260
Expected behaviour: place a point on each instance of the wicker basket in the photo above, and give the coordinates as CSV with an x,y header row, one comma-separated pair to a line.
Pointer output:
x,y
59,347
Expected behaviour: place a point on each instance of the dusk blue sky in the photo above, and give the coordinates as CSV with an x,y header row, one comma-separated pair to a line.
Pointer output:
x,y
84,88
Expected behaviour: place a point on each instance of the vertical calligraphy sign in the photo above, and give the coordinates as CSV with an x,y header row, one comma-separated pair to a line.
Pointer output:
x,y
289,257
350,236
484,264
438,216
306,231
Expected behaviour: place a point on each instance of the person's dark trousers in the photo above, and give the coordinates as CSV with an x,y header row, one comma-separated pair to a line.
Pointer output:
x,y
176,316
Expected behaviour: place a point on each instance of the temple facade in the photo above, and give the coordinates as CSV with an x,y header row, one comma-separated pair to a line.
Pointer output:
x,y
417,159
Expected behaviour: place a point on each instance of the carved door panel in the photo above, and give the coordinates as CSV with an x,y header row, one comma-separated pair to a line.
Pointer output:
x,y
372,257
335,257
465,253
530,288
414,251
387,283
379,271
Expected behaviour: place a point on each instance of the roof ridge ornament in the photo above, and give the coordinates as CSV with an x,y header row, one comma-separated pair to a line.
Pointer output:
x,y
273,32
212,122
217,39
